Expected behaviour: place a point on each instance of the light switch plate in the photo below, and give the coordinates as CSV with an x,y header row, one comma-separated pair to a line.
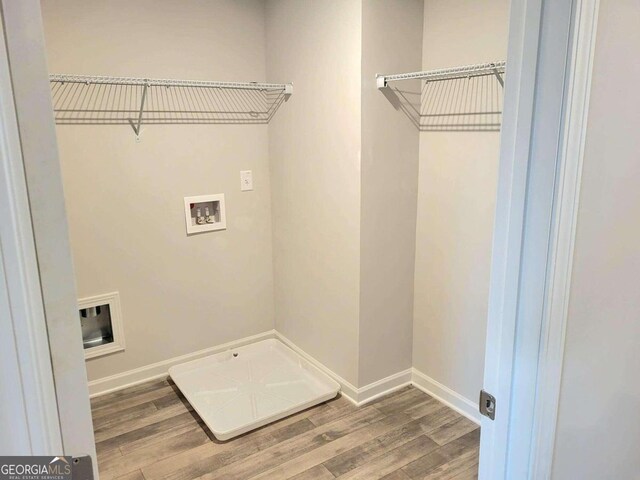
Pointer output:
x,y
246,180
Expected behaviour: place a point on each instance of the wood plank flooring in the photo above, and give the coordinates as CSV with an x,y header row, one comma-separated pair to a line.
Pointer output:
x,y
150,432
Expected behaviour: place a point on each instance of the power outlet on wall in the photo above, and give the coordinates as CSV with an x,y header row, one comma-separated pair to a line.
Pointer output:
x,y
246,180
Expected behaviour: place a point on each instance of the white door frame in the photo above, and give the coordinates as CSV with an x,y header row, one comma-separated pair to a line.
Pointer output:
x,y
546,104
552,337
29,413
36,195
535,219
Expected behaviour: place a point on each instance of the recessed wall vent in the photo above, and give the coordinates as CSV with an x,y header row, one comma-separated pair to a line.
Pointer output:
x,y
101,322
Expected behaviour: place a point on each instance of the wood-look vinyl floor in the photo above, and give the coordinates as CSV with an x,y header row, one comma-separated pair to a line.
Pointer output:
x,y
150,432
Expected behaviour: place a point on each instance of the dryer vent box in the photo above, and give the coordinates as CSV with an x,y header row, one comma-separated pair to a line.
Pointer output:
x,y
101,323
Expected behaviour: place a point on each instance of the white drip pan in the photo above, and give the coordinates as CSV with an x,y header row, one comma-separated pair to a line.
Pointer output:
x,y
248,387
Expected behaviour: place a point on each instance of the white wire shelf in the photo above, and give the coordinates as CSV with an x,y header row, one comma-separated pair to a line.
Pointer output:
x,y
99,100
466,71
465,98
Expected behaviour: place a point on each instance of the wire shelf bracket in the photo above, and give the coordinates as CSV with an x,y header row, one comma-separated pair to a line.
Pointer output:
x,y
101,100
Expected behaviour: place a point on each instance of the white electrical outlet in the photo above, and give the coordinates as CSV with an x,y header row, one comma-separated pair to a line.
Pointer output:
x,y
246,180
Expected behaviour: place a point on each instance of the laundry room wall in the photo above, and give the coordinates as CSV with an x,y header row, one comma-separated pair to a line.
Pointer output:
x,y
391,43
344,176
314,149
456,203
124,199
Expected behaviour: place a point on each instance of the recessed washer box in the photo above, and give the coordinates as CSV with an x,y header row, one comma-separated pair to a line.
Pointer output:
x,y
204,213
248,387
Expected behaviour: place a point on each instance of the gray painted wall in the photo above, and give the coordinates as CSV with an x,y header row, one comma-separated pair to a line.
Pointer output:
x,y
124,199
391,42
456,203
314,153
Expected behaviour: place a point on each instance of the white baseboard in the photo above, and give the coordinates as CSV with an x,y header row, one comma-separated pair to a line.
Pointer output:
x,y
346,388
444,394
358,396
384,387
136,376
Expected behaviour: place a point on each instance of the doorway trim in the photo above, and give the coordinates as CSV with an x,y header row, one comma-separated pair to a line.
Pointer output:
x,y
27,393
25,62
564,226
515,142
523,369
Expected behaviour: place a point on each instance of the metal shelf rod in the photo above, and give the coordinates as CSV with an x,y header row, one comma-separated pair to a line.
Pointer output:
x,y
163,82
481,69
